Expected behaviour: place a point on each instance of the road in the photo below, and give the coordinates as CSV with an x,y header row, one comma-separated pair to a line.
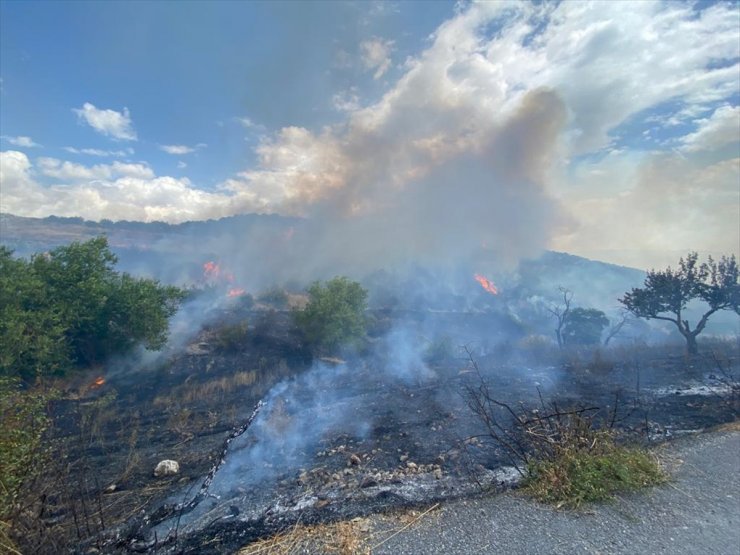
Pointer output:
x,y
698,511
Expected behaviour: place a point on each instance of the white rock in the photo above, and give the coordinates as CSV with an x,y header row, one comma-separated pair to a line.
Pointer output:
x,y
166,468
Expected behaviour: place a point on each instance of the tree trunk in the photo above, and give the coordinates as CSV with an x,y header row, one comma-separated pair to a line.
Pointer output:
x,y
691,347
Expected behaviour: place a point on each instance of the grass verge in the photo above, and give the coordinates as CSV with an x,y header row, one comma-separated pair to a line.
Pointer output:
x,y
578,474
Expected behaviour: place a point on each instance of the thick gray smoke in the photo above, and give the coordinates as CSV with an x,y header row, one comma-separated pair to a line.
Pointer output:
x,y
402,200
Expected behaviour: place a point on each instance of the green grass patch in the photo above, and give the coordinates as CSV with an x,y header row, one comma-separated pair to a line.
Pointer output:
x,y
577,475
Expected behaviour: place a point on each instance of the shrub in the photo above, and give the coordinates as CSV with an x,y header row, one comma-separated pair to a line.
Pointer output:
x,y
581,472
23,420
69,307
564,457
335,314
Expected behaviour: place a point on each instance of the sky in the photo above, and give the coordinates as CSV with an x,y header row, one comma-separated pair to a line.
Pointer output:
x,y
605,129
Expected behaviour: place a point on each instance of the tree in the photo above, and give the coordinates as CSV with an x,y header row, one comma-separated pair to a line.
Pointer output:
x,y
32,332
561,311
667,293
625,318
334,315
69,307
584,326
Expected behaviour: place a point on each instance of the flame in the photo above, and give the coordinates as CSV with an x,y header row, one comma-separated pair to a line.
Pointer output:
x,y
486,284
100,380
214,275
213,272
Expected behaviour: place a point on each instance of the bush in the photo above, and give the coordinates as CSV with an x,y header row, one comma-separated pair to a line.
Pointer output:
x,y
23,420
334,316
580,473
584,326
69,307
563,456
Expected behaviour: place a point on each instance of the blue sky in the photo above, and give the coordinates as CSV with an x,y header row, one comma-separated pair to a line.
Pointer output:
x,y
187,72
612,129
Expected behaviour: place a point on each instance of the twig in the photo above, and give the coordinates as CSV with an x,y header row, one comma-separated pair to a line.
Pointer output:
x,y
430,509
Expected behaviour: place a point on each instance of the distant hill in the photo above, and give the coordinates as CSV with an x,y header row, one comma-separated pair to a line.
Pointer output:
x,y
29,235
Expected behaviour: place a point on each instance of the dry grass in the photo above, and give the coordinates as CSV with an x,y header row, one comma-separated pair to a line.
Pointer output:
x,y
342,538
728,427
189,393
349,537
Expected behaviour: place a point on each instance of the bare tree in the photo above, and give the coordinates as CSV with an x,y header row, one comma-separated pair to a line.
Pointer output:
x,y
561,312
625,317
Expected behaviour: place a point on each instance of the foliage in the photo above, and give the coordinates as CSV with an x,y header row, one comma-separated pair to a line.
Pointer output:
x,y
23,420
582,473
562,454
584,326
69,307
334,315
667,293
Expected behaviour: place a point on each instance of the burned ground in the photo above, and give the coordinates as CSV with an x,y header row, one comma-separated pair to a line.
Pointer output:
x,y
333,439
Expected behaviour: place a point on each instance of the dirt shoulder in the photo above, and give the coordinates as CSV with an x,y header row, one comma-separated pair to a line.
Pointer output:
x,y
698,511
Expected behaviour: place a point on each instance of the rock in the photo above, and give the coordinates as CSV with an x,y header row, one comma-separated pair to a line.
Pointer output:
x,y
403,458
354,460
110,489
437,474
166,468
368,482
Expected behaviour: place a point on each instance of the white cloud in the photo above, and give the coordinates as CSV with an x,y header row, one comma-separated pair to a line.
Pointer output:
x,y
176,149
69,171
118,191
116,125
346,101
247,123
99,152
181,149
720,129
376,55
21,141
182,165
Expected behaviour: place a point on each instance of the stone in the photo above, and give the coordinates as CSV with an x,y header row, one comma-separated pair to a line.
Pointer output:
x,y
166,468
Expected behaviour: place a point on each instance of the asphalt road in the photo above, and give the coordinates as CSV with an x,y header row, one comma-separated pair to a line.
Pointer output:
x,y
697,512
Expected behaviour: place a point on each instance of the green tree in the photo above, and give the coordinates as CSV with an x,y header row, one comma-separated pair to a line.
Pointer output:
x,y
334,315
667,293
584,326
69,307
32,332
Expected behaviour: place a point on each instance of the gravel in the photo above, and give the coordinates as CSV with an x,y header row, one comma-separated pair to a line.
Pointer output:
x,y
698,511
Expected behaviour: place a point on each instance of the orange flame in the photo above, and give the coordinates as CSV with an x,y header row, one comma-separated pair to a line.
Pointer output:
x,y
486,284
236,292
100,380
213,272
